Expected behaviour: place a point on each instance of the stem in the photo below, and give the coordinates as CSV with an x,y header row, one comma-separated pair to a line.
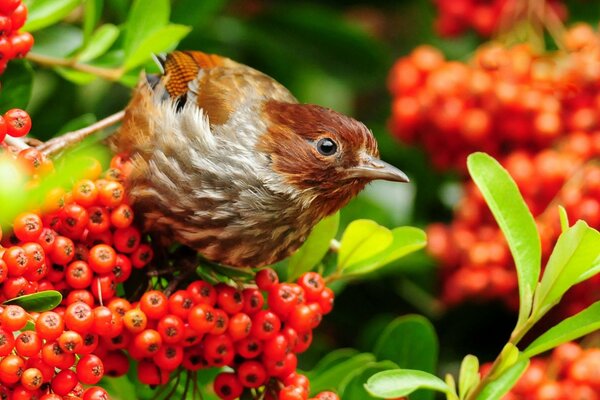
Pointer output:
x,y
515,338
17,143
59,143
111,74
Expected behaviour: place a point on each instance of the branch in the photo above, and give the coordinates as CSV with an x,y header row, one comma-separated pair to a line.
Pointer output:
x,y
17,143
61,142
111,74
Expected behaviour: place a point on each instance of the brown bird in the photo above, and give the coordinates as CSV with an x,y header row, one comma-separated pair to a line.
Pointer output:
x,y
226,161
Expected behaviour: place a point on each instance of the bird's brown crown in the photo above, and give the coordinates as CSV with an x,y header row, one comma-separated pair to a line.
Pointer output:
x,y
314,148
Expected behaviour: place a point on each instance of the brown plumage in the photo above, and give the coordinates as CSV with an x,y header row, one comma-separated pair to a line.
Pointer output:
x,y
227,161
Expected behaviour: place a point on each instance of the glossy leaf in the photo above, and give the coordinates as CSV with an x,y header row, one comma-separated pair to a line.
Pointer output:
x,y
405,240
161,40
516,222
451,392
500,386
91,15
328,379
571,261
314,248
353,387
396,383
37,302
99,43
508,357
58,40
564,218
362,240
410,342
332,358
43,13
15,90
469,375
574,327
78,77
145,18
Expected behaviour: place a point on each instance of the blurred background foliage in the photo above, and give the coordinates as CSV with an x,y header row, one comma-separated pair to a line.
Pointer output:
x,y
333,53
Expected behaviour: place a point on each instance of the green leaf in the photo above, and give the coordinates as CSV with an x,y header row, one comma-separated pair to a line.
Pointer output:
x,y
571,261
329,378
91,15
574,327
401,382
409,341
564,218
451,393
59,40
500,386
15,87
314,248
361,240
353,387
164,39
516,222
43,13
331,359
77,77
405,240
508,357
469,375
145,18
37,302
99,43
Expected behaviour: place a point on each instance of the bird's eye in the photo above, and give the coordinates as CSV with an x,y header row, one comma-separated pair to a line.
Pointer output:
x,y
326,146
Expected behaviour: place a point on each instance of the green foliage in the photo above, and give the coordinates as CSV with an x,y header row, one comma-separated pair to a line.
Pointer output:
x,y
314,249
574,327
353,386
516,222
43,13
468,376
575,251
396,383
576,257
37,302
99,42
17,82
498,387
367,246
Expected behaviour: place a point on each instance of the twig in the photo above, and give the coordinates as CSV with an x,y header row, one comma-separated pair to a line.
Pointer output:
x,y
61,142
17,143
111,74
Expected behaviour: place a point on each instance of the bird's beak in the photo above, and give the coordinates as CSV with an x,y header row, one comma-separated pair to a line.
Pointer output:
x,y
373,168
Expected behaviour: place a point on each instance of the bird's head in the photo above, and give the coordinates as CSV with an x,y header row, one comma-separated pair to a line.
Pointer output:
x,y
329,157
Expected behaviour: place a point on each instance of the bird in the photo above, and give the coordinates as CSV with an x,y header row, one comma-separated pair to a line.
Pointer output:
x,y
225,160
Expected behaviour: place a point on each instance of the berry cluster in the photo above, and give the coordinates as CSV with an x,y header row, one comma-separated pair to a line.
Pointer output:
x,y
570,372
83,244
483,16
13,44
15,123
38,363
261,341
504,99
474,259
84,240
538,115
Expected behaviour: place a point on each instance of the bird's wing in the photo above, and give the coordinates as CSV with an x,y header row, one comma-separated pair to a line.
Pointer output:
x,y
217,84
